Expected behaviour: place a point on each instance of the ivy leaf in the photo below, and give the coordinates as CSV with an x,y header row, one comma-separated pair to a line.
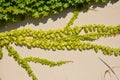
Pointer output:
x,y
40,9
45,13
69,1
6,4
6,17
16,11
36,15
27,1
9,9
37,4
46,8
65,5
21,5
22,12
59,4
1,16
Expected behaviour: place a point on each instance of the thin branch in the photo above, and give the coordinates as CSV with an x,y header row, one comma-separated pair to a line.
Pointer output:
x,y
109,68
45,61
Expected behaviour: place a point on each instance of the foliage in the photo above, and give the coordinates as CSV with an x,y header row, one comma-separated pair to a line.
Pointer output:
x,y
23,62
10,10
74,17
68,38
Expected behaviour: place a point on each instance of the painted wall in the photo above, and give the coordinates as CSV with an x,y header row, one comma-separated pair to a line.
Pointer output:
x,y
85,66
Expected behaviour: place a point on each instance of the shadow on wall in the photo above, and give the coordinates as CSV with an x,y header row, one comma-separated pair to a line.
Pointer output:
x,y
28,20
103,5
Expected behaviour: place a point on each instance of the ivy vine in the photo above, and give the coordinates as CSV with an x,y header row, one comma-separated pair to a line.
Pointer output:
x,y
23,62
68,38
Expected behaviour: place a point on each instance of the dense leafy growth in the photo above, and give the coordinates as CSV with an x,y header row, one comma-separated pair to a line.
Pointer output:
x,y
68,38
11,10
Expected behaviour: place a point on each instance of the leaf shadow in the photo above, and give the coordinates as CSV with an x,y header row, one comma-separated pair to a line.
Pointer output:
x,y
29,20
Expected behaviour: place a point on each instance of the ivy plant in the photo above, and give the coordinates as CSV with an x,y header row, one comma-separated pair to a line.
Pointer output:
x,y
10,10
68,38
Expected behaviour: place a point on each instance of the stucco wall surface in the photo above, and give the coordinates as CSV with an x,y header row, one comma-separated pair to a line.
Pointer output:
x,y
86,64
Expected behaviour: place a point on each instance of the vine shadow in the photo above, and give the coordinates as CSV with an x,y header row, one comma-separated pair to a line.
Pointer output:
x,y
29,20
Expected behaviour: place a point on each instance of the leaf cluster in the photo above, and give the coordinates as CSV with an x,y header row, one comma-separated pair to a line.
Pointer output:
x,y
24,64
69,38
11,10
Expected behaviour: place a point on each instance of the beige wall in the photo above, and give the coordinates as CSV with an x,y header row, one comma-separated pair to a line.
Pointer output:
x,y
86,65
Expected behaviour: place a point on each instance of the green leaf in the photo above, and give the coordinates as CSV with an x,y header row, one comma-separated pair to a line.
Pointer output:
x,y
9,9
27,1
21,5
6,4
65,5
6,17
36,15
16,11
1,16
59,4
46,8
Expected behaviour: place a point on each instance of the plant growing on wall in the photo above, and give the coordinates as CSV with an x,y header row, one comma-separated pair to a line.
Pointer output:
x,y
11,10
68,38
